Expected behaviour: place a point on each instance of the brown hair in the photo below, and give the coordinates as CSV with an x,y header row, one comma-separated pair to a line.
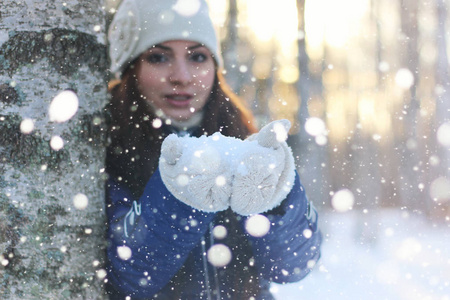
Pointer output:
x,y
133,153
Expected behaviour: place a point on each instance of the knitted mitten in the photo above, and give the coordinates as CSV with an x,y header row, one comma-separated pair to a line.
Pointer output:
x,y
196,170
265,174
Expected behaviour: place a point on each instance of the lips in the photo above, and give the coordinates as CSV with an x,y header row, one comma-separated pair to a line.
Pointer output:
x,y
179,100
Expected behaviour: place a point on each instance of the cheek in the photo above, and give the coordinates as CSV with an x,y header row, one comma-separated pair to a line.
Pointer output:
x,y
150,82
207,77
149,77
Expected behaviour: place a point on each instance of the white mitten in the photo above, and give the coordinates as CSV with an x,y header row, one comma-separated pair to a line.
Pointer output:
x,y
197,170
266,171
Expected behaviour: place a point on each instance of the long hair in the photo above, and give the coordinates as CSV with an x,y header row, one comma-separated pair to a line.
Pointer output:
x,y
133,154
135,147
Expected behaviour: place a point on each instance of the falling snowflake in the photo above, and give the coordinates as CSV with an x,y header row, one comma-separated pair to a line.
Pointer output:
x,y
187,8
63,107
220,232
440,189
219,255
404,78
257,225
26,126
80,201
443,134
56,142
124,252
343,200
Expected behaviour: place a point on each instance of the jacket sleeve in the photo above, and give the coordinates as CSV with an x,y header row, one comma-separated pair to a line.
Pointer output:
x,y
150,238
291,248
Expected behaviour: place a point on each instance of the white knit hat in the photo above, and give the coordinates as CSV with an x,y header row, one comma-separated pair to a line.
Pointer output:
x,y
140,24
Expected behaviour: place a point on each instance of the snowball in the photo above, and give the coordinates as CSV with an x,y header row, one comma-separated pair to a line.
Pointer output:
x,y
213,152
124,252
63,107
80,201
206,158
219,255
206,153
257,225
343,200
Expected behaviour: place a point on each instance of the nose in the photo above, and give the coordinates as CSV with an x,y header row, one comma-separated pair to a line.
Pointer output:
x,y
180,73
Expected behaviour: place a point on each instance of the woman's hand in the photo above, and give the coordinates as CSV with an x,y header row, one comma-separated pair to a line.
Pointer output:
x,y
216,172
265,174
196,172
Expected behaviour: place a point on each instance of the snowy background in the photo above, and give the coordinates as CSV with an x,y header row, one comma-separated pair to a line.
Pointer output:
x,y
409,259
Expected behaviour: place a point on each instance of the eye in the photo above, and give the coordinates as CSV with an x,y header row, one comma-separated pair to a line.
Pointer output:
x,y
156,58
198,57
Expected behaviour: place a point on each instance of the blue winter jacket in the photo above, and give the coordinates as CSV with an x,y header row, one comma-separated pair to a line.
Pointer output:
x,y
157,247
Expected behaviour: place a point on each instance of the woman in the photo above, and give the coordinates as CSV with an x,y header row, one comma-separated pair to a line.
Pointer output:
x,y
166,55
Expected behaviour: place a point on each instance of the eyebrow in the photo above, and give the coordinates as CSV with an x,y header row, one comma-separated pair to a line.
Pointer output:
x,y
170,49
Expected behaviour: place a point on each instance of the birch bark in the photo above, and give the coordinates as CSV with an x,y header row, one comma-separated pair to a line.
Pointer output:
x,y
51,246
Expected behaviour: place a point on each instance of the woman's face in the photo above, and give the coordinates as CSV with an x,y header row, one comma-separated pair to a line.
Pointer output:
x,y
176,77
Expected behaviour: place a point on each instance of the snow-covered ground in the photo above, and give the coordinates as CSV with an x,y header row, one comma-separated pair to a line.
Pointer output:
x,y
389,255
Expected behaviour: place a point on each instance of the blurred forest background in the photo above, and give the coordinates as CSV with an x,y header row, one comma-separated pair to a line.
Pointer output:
x,y
366,83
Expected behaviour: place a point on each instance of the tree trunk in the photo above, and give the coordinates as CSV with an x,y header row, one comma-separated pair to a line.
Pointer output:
x,y
51,198
408,153
441,208
230,47
311,155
